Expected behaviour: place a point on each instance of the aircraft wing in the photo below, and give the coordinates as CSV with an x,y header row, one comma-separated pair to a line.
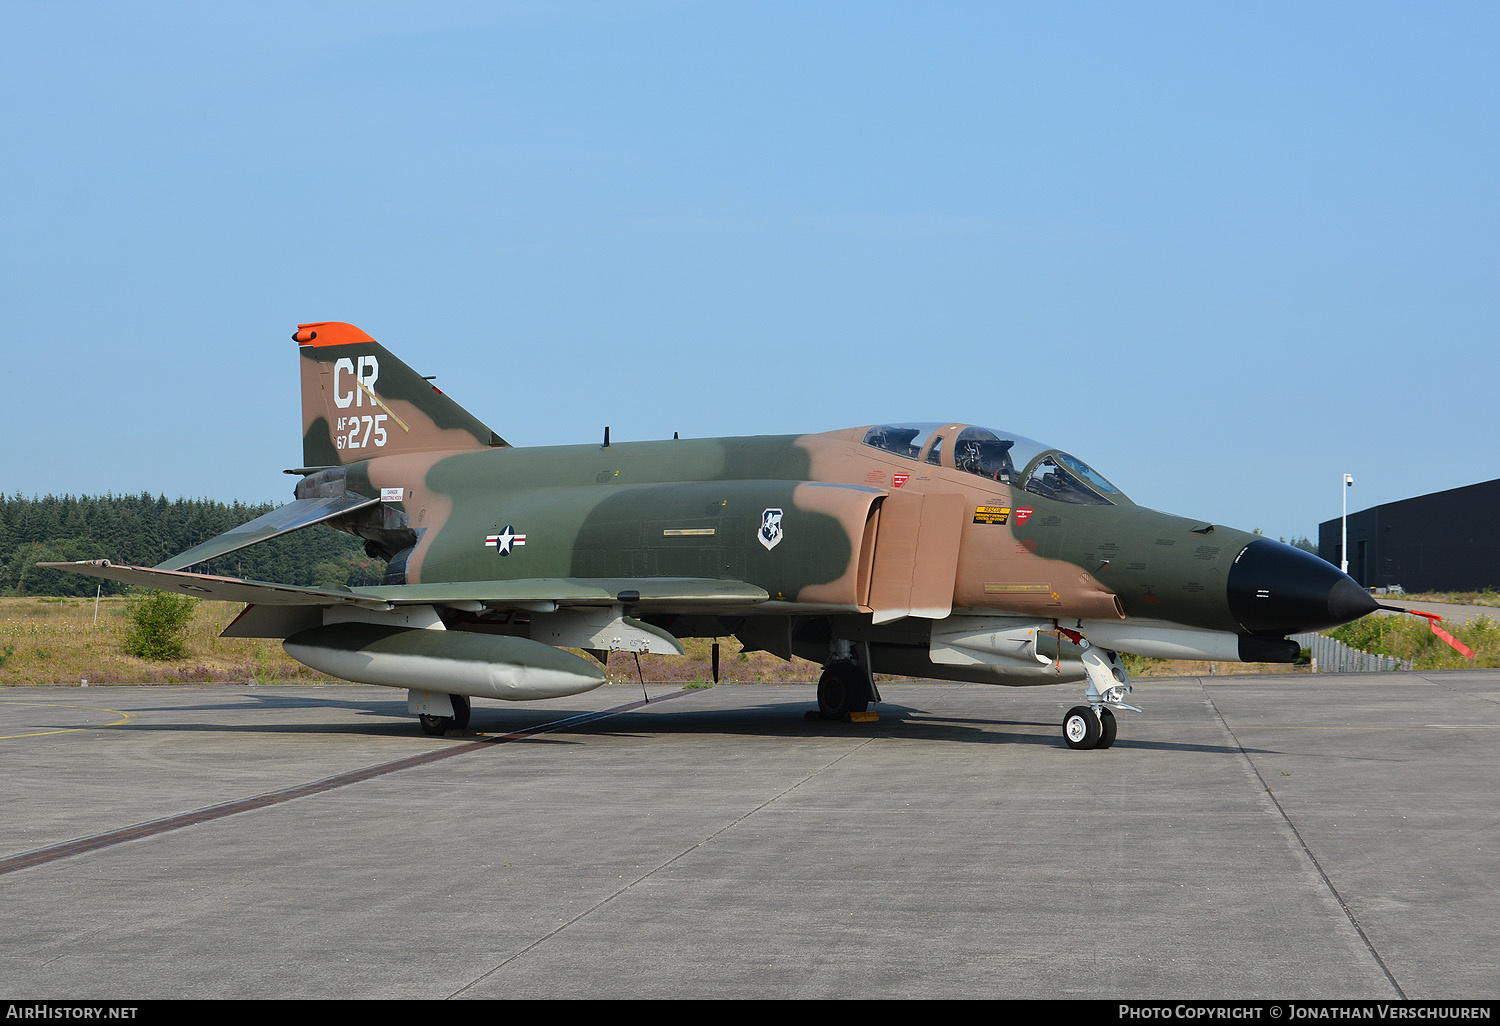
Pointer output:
x,y
659,592
688,592
231,589
283,520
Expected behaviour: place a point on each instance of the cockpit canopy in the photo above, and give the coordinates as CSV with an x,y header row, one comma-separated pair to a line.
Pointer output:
x,y
999,456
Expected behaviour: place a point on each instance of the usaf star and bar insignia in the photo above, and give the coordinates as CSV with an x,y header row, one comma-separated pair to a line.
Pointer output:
x,y
506,541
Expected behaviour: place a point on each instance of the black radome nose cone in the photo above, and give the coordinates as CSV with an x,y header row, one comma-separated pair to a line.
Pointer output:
x,y
1348,601
1275,589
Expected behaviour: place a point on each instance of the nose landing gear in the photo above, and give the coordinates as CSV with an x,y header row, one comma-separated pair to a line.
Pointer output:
x,y
1086,727
1093,725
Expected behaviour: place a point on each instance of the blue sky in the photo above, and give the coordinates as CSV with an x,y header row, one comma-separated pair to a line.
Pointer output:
x,y
1225,252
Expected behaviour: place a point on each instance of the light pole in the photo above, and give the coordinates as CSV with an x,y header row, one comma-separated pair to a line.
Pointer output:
x,y
1344,544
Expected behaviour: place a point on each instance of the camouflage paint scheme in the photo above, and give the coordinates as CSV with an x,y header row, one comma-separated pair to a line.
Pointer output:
x,y
841,547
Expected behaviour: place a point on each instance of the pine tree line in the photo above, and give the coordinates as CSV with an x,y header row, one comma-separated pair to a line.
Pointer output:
x,y
143,530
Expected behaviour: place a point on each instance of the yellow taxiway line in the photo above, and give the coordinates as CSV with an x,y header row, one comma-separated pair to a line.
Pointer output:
x,y
124,716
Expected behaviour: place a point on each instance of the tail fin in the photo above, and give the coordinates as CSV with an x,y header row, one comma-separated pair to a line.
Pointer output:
x,y
359,401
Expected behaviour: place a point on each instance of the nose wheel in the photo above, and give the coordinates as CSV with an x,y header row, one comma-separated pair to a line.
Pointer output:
x,y
1093,725
1085,727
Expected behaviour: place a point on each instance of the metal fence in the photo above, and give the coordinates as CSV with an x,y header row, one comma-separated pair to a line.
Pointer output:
x,y
1330,656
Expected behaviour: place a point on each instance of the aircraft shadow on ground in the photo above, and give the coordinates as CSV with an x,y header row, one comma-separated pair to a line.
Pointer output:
x,y
897,722
494,723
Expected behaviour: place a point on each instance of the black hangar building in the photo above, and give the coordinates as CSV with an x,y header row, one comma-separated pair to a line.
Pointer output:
x,y
1446,541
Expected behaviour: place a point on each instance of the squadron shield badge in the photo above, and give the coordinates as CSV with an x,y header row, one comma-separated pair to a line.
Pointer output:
x,y
770,528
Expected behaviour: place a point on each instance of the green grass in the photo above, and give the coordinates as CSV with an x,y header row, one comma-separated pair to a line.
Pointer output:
x,y
58,642
1411,637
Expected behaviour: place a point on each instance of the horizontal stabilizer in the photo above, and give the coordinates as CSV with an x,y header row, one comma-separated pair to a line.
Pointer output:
x,y
285,519
229,589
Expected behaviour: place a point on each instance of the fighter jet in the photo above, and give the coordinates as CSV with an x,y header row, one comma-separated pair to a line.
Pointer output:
x,y
940,550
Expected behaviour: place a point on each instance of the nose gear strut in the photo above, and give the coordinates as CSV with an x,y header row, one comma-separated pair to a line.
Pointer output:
x,y
1093,725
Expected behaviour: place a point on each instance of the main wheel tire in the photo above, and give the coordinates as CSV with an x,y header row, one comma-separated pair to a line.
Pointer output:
x,y
833,694
857,687
435,726
1107,728
460,711
841,690
1081,728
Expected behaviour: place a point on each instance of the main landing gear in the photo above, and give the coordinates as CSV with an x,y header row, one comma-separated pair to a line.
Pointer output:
x,y
841,690
846,685
437,726
1093,725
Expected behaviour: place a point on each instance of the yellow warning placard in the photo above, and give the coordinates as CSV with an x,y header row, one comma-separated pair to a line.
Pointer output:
x,y
991,514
